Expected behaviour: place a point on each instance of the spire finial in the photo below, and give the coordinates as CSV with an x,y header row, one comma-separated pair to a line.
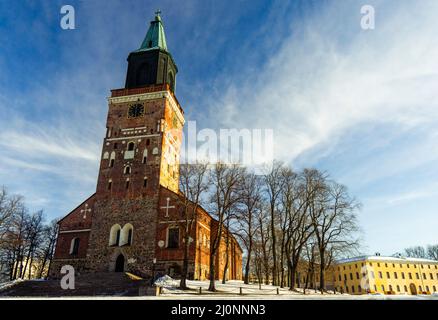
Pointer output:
x,y
158,12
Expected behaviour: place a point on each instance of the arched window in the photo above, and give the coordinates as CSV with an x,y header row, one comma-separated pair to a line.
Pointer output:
x,y
171,81
127,170
74,246
145,155
114,238
105,155
131,146
112,159
126,235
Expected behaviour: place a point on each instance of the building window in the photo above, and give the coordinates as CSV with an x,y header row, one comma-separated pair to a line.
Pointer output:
x,y
127,170
357,275
110,184
114,238
417,275
380,275
390,288
173,238
127,184
145,156
395,275
388,275
145,182
406,288
148,142
403,275
126,235
351,276
74,246
431,276
383,288
427,288
398,288
115,145
112,159
410,275
434,289
131,146
352,289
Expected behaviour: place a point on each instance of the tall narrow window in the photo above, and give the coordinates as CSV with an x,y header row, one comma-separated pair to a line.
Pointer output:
x,y
145,155
74,247
173,238
129,237
117,237
114,237
145,182
110,183
131,146
127,170
127,184
112,159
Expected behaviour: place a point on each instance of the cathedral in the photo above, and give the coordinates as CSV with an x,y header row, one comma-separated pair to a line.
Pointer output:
x,y
131,223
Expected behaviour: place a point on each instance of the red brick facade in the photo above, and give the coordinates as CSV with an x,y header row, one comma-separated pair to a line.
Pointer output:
x,y
137,199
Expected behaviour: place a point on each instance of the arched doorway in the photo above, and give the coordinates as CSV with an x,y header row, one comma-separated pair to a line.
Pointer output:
x,y
120,263
413,289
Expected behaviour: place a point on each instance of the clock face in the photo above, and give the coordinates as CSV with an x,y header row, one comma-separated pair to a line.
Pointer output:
x,y
136,110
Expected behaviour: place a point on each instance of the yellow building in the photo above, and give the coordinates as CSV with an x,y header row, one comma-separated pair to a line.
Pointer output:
x,y
386,275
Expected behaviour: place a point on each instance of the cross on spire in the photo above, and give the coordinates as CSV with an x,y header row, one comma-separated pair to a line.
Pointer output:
x,y
85,210
167,206
158,12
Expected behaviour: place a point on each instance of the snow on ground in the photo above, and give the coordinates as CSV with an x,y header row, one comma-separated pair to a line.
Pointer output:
x,y
9,284
232,288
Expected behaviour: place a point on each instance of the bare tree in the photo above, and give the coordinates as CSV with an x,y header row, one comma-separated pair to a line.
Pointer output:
x,y
432,252
333,214
224,181
248,209
273,183
416,252
295,198
50,234
192,185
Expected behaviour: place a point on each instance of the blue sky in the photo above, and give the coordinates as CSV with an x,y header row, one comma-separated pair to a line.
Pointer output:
x,y
362,105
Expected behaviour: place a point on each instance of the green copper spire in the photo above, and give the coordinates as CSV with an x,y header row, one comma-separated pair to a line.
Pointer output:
x,y
155,38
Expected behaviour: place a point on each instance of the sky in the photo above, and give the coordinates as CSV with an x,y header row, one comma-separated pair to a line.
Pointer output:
x,y
359,104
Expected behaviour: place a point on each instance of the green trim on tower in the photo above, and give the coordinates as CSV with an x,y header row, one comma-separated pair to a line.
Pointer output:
x,y
155,37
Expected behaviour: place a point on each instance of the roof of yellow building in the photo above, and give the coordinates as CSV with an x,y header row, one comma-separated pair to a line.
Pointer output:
x,y
386,258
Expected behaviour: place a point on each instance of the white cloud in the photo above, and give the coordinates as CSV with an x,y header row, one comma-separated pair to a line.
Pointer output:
x,y
316,89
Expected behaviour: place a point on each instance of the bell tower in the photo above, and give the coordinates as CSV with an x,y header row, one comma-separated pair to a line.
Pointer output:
x,y
140,155
152,63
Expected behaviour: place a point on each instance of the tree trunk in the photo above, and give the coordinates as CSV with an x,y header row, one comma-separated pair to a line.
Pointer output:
x,y
183,283
247,266
212,286
321,272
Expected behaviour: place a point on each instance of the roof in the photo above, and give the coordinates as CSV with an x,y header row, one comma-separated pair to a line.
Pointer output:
x,y
155,37
386,258
76,208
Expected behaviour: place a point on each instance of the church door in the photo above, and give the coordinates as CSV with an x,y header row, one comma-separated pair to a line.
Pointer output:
x,y
120,263
413,289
